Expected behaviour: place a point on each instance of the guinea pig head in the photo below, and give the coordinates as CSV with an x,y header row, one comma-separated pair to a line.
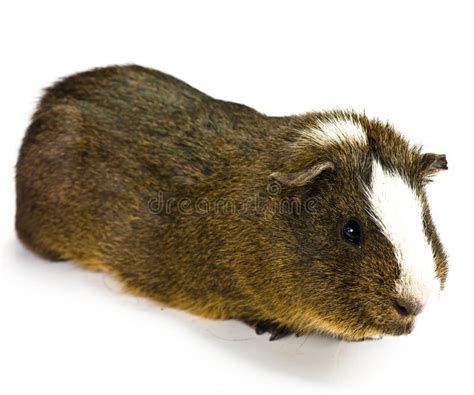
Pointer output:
x,y
369,257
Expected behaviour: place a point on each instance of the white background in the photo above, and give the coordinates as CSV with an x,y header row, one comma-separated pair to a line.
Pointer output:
x,y
67,331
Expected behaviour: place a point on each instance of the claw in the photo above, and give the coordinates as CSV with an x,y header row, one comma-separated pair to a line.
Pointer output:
x,y
279,334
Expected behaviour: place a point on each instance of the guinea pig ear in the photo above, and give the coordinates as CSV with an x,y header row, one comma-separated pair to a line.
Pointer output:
x,y
433,163
301,177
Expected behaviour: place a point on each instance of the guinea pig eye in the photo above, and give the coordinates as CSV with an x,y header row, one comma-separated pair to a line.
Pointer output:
x,y
351,232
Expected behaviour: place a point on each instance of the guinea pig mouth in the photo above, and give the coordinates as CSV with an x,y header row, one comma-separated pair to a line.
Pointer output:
x,y
400,329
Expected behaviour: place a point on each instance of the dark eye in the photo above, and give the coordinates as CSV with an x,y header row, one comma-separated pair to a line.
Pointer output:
x,y
351,232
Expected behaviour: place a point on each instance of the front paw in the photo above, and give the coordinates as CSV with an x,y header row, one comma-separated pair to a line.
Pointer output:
x,y
276,331
373,337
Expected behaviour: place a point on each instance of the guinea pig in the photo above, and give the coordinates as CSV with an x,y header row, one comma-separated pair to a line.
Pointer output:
x,y
324,226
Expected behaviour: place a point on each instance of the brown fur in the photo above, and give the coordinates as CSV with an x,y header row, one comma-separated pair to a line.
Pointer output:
x,y
104,143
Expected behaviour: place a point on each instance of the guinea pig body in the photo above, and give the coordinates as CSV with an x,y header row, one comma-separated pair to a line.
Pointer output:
x,y
312,223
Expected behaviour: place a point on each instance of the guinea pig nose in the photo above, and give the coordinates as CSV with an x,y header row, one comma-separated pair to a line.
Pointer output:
x,y
406,307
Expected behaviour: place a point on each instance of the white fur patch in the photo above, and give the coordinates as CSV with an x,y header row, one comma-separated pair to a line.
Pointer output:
x,y
397,210
339,130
